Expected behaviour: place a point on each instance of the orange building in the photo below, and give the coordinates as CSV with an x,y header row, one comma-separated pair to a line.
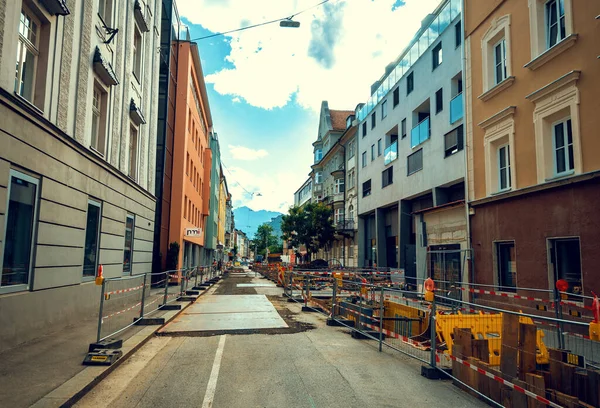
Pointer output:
x,y
192,158
533,162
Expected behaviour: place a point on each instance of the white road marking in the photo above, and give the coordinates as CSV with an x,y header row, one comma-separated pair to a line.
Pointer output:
x,y
214,375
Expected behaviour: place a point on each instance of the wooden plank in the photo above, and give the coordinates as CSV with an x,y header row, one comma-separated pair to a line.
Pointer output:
x,y
593,387
567,377
483,381
464,338
527,349
506,396
472,376
556,358
481,350
567,401
494,386
510,344
457,368
535,384
519,399
580,384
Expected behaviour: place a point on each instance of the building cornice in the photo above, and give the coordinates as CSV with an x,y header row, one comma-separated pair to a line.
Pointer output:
x,y
487,95
561,82
551,53
498,117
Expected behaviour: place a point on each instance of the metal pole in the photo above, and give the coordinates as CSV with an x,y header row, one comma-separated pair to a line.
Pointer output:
x,y
381,316
558,311
432,331
182,279
196,276
334,298
360,305
102,291
166,287
143,297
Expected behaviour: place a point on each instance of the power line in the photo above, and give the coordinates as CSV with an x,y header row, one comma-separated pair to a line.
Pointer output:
x,y
260,24
237,182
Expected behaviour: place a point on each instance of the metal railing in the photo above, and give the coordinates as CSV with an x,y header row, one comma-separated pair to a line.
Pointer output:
x,y
390,153
456,108
420,133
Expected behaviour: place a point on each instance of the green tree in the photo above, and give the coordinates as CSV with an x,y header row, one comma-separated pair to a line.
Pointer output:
x,y
310,225
264,238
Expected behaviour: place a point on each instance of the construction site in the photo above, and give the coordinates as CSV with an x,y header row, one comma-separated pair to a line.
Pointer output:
x,y
524,347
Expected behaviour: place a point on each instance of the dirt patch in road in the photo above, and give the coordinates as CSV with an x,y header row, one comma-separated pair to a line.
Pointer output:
x,y
228,286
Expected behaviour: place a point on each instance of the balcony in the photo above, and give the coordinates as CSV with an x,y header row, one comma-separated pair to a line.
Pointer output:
x,y
344,225
420,133
390,153
456,108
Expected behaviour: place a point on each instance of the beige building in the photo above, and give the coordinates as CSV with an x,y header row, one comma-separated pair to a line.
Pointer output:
x,y
77,155
532,142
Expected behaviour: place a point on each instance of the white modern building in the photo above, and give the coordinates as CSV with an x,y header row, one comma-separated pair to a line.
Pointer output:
x,y
411,159
77,155
304,194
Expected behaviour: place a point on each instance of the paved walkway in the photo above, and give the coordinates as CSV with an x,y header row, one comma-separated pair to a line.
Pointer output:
x,y
306,364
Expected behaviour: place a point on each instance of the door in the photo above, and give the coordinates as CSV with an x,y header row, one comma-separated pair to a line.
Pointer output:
x,y
566,258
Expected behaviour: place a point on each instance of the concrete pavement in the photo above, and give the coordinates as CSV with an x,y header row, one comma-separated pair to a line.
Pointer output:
x,y
309,365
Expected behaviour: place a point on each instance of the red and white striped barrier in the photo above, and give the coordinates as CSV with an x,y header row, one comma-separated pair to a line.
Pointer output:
x,y
407,340
121,311
515,387
116,292
504,294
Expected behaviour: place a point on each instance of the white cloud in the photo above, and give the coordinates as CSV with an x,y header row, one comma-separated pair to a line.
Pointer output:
x,y
339,50
246,153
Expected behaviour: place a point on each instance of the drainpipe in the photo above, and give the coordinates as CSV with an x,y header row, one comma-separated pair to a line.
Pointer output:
x,y
344,243
466,146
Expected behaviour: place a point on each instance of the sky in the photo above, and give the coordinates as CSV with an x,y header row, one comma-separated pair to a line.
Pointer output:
x,y
266,84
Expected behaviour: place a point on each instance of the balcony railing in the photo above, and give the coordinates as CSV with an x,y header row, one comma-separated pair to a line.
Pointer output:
x,y
420,133
344,225
390,153
456,108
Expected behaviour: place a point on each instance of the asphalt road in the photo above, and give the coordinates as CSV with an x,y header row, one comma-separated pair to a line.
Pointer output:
x,y
312,365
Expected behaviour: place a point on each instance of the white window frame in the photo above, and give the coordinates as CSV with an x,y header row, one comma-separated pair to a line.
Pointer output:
x,y
547,26
569,167
127,218
101,113
502,62
105,12
138,54
98,204
318,155
498,30
318,177
506,155
26,45
338,215
351,212
339,183
36,182
499,131
539,35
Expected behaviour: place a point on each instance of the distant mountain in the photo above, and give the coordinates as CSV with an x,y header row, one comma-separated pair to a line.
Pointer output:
x,y
248,220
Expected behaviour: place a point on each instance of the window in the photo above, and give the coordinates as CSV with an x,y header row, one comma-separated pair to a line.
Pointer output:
x,y
105,11
137,54
379,148
562,133
92,239
129,227
387,176
500,61
453,141
504,167
338,215
27,55
366,188
19,231
99,110
403,128
372,152
439,101
339,186
555,22
185,212
410,83
364,129
351,148
458,34
384,109
565,256
351,178
506,265
318,155
396,96
364,159
351,212
187,164
415,162
318,177
437,55
373,121
133,144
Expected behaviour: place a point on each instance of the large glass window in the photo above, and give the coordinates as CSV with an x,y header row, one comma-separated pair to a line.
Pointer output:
x,y
555,22
500,61
410,83
99,111
19,231
366,188
105,11
339,186
129,226
436,55
364,159
27,55
383,109
92,239
414,162
563,147
506,265
318,155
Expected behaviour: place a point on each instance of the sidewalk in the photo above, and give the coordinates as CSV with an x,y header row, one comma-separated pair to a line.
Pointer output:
x,y
32,370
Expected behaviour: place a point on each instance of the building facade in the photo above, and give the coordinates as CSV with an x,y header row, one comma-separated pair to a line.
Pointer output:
x,y
533,165
347,229
328,175
304,194
212,223
192,159
411,160
78,137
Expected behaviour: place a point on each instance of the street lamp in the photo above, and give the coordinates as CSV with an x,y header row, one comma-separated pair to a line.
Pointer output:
x,y
289,23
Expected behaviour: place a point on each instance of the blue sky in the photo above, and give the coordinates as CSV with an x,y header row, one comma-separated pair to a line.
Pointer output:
x,y
266,84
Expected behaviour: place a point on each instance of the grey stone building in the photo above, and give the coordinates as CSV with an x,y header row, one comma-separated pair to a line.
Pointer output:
x,y
77,155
